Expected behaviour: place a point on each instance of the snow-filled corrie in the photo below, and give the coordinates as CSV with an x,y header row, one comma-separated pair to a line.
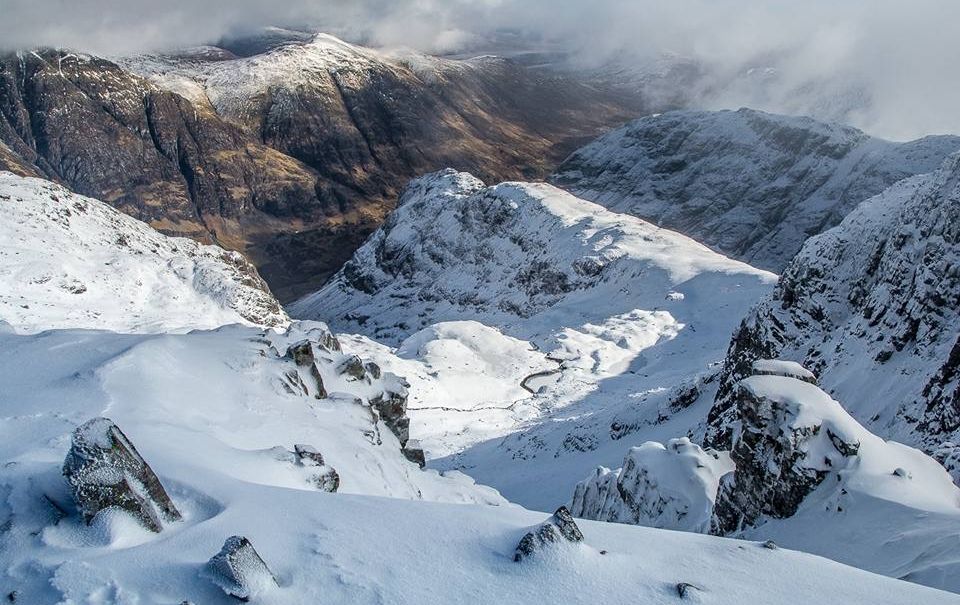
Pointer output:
x,y
750,184
68,261
604,325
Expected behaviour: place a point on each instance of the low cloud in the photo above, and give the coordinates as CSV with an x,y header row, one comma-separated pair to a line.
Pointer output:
x,y
884,65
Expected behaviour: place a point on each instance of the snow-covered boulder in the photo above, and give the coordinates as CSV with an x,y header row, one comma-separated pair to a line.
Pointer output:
x,y
239,570
750,184
68,261
872,307
671,486
558,529
105,471
790,436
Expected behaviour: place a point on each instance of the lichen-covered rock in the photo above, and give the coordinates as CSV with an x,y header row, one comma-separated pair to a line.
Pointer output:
x,y
239,570
558,528
670,486
791,436
105,471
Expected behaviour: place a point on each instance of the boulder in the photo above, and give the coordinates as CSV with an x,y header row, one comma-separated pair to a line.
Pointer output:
x,y
559,528
104,471
239,570
791,436
352,367
414,453
391,405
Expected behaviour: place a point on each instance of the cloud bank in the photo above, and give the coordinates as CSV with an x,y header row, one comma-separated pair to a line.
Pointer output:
x,y
884,65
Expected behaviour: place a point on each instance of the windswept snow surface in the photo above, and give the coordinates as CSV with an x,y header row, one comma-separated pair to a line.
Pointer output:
x,y
68,261
207,412
607,319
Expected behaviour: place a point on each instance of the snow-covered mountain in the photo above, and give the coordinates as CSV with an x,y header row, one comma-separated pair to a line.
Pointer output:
x,y
68,261
291,155
597,324
871,307
749,184
281,462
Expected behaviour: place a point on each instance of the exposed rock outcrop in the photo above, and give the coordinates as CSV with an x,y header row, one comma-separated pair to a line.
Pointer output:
x,y
559,528
239,570
670,487
791,435
105,471
326,478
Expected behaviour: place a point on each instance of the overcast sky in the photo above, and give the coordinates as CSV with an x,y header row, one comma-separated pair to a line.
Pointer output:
x,y
899,54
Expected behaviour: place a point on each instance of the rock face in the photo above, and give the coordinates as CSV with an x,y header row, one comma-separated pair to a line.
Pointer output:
x,y
873,308
239,570
671,487
749,184
291,156
105,471
559,528
791,436
55,247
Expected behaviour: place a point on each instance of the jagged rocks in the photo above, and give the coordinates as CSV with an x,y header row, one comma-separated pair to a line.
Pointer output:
x,y
391,405
353,368
670,487
303,355
326,478
105,471
239,570
791,436
558,528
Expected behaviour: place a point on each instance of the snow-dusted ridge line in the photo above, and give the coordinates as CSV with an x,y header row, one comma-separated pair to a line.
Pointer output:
x,y
68,261
750,184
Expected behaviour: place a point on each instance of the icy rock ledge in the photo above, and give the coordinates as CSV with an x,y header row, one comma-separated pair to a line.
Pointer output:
x,y
105,471
239,570
558,528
